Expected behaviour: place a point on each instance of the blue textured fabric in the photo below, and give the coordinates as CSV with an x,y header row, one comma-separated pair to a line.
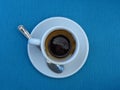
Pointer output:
x,y
99,18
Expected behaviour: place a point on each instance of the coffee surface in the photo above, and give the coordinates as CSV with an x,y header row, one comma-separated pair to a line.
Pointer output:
x,y
59,46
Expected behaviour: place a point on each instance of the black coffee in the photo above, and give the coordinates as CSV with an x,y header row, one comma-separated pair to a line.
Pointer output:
x,y
59,46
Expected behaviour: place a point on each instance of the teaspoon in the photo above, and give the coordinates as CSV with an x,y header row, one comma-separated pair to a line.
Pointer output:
x,y
54,67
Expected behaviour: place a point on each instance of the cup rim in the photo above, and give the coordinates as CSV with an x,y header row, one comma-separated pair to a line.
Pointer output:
x,y
43,46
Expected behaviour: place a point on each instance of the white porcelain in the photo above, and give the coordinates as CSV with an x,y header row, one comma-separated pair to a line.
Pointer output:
x,y
39,32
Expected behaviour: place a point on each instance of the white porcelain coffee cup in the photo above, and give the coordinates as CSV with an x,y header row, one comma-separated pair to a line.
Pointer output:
x,y
65,37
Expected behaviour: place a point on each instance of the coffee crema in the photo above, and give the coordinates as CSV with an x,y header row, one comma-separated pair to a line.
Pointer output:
x,y
60,44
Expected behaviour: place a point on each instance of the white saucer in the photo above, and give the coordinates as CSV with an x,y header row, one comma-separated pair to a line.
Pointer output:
x,y
39,61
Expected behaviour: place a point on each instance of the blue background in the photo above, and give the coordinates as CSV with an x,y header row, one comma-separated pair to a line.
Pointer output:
x,y
99,18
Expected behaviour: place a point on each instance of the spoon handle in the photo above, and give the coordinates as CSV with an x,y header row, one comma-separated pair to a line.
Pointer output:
x,y
24,31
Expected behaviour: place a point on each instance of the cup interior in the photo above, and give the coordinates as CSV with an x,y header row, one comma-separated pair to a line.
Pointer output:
x,y
59,45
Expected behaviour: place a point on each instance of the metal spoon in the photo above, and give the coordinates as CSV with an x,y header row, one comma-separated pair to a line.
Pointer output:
x,y
54,67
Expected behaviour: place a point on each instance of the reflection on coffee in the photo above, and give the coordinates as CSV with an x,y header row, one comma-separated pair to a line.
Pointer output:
x,y
60,44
